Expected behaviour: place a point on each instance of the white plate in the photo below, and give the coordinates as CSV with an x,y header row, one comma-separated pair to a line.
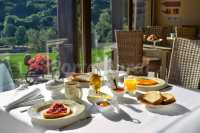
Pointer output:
x,y
35,112
161,84
152,105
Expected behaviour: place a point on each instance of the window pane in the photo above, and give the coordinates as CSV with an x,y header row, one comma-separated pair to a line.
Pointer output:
x,y
25,27
101,30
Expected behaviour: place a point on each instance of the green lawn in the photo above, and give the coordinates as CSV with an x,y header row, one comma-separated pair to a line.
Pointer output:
x,y
98,54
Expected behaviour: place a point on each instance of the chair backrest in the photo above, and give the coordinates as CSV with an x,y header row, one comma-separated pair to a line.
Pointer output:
x,y
167,30
184,67
130,47
157,30
186,32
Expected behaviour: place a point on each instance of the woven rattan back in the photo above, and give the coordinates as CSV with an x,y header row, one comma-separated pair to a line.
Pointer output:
x,y
130,47
185,64
157,30
186,32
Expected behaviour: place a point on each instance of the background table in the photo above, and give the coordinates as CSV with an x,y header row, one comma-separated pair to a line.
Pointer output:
x,y
152,120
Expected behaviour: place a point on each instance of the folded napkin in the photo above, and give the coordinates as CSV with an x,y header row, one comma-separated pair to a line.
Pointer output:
x,y
25,97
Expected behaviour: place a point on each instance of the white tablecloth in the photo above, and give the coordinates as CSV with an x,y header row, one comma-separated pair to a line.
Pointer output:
x,y
152,120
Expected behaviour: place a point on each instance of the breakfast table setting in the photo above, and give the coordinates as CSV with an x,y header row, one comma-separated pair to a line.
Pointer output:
x,y
108,102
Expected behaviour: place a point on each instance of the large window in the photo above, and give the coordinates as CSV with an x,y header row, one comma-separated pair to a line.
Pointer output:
x,y
25,27
101,30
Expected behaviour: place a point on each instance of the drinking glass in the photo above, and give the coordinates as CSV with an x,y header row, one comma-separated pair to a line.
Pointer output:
x,y
95,83
130,84
112,75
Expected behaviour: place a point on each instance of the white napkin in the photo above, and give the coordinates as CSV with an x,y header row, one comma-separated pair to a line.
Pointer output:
x,y
23,96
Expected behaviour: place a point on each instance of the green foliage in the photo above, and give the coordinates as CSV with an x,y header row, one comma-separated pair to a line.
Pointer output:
x,y
97,8
17,17
8,41
41,15
33,39
1,27
9,30
27,15
99,54
104,27
16,72
37,39
47,21
2,11
34,21
20,35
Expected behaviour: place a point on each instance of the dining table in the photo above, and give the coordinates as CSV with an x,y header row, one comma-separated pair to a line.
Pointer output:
x,y
132,116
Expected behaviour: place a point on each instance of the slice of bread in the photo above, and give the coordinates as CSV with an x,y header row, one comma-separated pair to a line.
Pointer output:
x,y
80,77
56,115
168,98
153,97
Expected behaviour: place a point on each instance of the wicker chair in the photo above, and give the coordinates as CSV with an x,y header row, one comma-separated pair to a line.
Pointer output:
x,y
157,30
130,52
185,64
130,47
186,32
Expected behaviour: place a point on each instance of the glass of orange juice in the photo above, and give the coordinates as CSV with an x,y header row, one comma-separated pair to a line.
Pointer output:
x,y
130,84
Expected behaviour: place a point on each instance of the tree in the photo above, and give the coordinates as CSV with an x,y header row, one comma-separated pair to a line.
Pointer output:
x,y
37,39
2,11
1,27
45,35
33,39
11,19
50,33
98,6
47,21
104,27
20,35
34,21
9,30
28,21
